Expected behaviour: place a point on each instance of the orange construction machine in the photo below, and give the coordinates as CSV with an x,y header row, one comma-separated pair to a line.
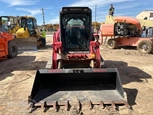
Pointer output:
x,y
125,31
7,46
76,74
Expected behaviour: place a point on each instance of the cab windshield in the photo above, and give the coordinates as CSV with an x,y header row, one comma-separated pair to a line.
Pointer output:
x,y
29,23
75,31
4,23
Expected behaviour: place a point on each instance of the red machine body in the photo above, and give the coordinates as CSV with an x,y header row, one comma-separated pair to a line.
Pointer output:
x,y
7,46
76,73
81,57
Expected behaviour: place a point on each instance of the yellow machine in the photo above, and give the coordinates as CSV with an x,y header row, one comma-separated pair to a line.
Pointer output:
x,y
24,28
146,20
55,27
49,27
96,25
146,14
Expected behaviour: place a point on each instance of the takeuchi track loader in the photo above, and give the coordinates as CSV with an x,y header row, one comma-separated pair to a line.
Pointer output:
x,y
76,75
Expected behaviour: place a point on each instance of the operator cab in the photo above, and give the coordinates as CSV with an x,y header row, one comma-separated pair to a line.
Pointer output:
x,y
29,23
75,28
7,22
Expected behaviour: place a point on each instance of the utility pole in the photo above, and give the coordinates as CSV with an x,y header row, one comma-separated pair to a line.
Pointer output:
x,y
95,11
43,17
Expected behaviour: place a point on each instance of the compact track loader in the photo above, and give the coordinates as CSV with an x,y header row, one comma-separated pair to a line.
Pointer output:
x,y
76,74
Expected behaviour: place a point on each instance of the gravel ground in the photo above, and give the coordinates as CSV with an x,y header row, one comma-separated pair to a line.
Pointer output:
x,y
17,76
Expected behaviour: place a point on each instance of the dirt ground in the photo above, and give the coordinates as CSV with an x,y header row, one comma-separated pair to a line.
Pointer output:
x,y
17,76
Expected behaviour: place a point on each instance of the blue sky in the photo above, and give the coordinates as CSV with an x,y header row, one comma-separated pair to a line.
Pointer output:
x,y
52,8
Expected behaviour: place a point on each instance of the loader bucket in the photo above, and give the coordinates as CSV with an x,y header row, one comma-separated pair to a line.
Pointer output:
x,y
57,87
26,44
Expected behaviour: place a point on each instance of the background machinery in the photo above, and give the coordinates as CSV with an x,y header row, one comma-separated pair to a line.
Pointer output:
x,y
55,27
24,28
51,27
146,20
96,25
8,47
75,75
127,31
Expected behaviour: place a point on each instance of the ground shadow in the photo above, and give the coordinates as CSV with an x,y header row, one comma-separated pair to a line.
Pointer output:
x,y
131,95
48,46
19,63
127,47
127,73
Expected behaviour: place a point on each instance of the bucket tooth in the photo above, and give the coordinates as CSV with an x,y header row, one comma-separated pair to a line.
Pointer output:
x,y
55,105
102,104
43,103
90,105
126,104
30,105
79,105
67,105
113,105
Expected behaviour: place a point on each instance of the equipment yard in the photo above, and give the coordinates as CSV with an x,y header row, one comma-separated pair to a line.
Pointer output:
x,y
79,60
17,77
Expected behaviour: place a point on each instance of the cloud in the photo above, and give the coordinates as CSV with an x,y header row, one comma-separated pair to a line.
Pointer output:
x,y
123,14
20,2
55,20
91,3
127,6
101,13
32,12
